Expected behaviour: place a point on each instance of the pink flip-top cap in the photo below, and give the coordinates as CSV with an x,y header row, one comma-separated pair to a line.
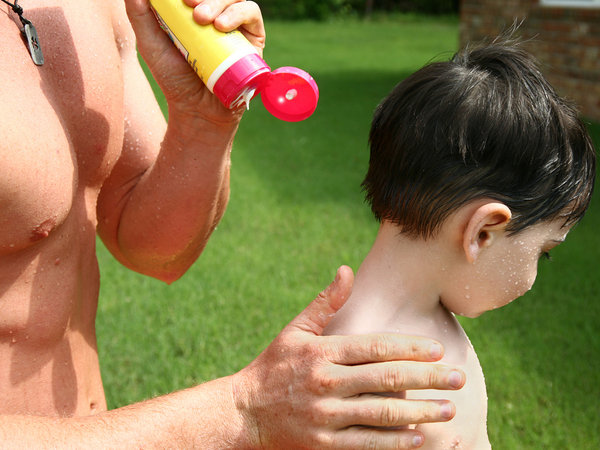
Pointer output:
x,y
249,72
290,94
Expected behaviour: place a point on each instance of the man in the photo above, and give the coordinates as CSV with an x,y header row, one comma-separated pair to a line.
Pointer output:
x,y
85,149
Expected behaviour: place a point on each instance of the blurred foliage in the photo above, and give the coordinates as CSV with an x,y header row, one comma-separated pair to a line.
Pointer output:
x,y
324,9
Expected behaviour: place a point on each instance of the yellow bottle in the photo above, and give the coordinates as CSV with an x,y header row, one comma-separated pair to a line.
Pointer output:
x,y
231,67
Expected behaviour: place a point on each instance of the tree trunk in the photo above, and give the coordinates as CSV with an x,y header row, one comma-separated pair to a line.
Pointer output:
x,y
369,8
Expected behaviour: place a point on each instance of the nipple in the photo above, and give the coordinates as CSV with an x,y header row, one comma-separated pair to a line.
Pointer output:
x,y
43,230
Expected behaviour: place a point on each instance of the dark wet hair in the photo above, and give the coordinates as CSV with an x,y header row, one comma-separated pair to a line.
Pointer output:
x,y
485,124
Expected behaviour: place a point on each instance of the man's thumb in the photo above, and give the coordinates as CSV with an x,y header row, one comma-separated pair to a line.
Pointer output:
x,y
318,314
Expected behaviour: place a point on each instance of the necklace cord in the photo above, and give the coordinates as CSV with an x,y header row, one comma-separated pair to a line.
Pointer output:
x,y
17,9
15,6
30,34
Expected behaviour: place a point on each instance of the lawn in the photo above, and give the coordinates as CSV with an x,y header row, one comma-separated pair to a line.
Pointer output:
x,y
296,213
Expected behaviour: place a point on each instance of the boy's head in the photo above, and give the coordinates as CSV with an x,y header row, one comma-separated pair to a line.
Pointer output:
x,y
480,154
484,125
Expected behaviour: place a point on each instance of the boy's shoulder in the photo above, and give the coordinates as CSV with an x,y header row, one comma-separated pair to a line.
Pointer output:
x,y
468,428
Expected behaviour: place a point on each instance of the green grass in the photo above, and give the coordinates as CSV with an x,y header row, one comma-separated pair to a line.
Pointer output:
x,y
296,213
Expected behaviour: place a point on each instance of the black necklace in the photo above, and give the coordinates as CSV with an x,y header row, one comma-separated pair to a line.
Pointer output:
x,y
30,34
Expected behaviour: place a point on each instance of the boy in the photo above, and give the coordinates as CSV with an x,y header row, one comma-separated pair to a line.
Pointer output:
x,y
477,169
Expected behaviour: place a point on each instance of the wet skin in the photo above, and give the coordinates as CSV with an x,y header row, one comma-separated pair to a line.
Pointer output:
x,y
64,132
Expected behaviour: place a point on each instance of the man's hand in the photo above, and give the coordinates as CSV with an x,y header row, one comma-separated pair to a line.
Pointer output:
x,y
312,391
184,91
228,15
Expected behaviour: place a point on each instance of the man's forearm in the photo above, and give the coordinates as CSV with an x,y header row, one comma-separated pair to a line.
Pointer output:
x,y
200,417
174,207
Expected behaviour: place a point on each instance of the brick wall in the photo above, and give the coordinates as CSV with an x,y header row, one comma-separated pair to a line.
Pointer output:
x,y
566,41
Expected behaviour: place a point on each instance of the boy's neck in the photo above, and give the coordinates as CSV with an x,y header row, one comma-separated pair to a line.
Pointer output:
x,y
397,290
398,283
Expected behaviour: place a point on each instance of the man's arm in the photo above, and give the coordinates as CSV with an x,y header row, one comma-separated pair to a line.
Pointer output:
x,y
304,390
199,417
170,187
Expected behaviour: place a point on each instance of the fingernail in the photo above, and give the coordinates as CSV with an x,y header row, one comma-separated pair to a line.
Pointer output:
x,y
455,379
417,440
225,19
447,411
435,351
204,10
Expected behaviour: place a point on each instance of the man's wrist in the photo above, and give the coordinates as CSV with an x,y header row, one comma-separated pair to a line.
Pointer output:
x,y
241,401
209,112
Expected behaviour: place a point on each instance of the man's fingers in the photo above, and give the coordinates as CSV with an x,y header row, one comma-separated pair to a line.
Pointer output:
x,y
153,43
245,15
369,410
368,348
360,438
372,421
389,412
347,381
206,11
319,312
143,20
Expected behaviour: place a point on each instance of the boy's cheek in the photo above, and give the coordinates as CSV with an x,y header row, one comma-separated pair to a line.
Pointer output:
x,y
520,282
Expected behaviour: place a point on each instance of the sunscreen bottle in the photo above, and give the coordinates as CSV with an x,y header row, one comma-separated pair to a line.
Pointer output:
x,y
231,67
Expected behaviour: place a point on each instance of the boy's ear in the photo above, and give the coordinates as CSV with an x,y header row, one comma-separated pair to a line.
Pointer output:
x,y
483,226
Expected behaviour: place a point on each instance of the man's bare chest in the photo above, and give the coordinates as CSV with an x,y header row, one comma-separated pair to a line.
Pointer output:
x,y
62,122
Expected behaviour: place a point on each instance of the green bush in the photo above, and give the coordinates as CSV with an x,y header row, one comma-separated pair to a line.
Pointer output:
x,y
300,9
323,9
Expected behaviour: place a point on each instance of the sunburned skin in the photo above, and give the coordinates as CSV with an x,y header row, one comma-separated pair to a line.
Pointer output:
x,y
60,139
414,286
85,151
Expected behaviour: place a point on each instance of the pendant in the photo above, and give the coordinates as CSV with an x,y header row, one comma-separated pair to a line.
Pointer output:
x,y
33,43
